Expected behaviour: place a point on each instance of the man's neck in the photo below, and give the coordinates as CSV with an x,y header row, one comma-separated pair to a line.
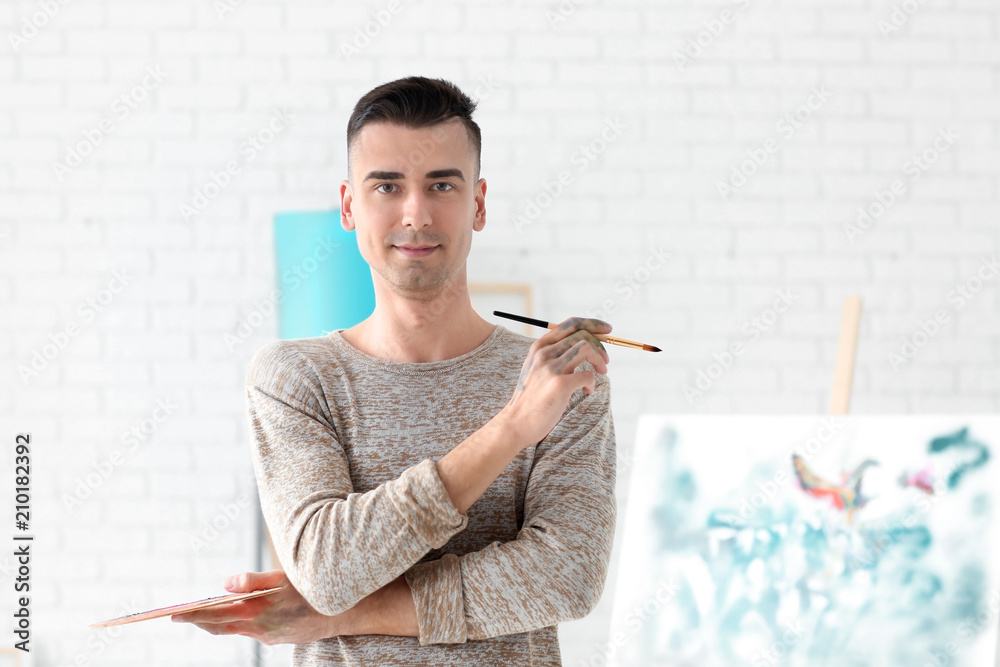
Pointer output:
x,y
420,331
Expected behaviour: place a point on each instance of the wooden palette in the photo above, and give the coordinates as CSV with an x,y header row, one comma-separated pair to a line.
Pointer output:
x,y
186,607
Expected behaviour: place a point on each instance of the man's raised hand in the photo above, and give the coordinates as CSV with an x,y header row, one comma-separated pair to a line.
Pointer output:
x,y
549,378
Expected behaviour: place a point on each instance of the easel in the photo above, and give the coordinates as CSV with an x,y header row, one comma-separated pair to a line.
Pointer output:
x,y
844,370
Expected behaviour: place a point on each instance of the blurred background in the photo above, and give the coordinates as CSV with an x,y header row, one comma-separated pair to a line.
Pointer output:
x,y
713,178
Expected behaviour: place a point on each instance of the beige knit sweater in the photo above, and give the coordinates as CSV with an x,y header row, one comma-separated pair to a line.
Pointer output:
x,y
344,446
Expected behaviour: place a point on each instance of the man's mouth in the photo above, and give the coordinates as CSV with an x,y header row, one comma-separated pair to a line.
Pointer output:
x,y
415,251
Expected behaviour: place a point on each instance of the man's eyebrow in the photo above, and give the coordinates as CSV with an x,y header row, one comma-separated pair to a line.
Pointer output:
x,y
395,175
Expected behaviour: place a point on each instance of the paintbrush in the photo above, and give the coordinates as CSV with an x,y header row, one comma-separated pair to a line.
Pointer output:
x,y
604,338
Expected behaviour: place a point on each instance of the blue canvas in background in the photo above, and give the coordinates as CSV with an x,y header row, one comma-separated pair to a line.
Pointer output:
x,y
325,283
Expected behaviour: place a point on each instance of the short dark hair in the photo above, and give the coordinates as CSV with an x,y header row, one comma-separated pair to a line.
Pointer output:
x,y
415,102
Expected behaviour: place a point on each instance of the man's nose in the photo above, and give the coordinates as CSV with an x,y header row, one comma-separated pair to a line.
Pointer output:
x,y
415,211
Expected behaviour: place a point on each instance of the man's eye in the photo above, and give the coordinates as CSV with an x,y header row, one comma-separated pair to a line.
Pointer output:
x,y
448,187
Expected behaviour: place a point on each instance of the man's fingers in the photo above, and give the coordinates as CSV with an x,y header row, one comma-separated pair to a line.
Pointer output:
x,y
574,323
583,380
237,611
569,326
226,629
253,581
581,351
556,350
597,344
596,360
204,616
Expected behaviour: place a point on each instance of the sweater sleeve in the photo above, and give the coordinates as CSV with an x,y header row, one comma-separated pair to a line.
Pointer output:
x,y
555,569
336,546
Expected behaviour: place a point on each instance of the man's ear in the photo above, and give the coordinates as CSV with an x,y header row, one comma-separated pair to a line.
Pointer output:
x,y
479,221
346,199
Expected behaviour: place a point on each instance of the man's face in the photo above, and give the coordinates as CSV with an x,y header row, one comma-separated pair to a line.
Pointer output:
x,y
413,205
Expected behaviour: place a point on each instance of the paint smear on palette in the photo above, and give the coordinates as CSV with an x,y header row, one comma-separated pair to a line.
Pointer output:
x,y
847,542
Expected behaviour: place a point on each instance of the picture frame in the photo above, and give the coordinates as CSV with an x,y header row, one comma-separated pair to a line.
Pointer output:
x,y
514,298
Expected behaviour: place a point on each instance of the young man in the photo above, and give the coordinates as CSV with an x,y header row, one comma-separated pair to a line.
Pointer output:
x,y
440,490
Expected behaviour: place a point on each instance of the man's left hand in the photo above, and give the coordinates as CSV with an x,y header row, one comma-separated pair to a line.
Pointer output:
x,y
283,617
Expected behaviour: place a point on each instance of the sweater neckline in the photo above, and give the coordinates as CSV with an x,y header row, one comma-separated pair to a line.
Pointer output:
x,y
414,368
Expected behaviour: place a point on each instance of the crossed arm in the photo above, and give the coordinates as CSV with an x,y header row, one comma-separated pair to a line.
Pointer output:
x,y
354,557
554,570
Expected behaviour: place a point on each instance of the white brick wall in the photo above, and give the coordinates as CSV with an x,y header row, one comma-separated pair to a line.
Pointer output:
x,y
656,185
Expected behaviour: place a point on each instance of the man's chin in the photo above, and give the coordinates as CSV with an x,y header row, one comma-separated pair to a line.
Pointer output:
x,y
419,288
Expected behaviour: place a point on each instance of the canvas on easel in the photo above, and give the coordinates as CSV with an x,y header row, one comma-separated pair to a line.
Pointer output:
x,y
811,541
816,541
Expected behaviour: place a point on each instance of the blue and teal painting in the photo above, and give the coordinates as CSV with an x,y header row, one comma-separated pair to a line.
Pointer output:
x,y
792,541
